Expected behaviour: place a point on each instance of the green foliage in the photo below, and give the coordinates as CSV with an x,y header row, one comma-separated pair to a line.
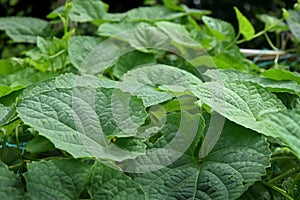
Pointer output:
x,y
157,103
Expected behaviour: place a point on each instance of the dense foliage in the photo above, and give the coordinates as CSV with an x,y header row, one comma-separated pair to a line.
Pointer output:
x,y
155,103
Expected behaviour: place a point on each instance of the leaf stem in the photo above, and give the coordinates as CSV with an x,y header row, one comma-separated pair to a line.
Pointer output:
x,y
285,174
281,191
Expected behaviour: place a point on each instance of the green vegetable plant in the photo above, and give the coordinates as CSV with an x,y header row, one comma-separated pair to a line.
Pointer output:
x,y
154,103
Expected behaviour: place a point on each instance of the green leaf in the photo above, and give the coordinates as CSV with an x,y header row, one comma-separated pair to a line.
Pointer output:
x,y
24,29
39,144
129,61
115,29
11,187
271,85
178,34
6,112
81,115
280,74
239,158
293,23
79,48
221,30
110,183
151,14
56,179
286,124
256,191
245,27
156,83
240,101
104,55
87,10
272,24
20,79
226,61
173,4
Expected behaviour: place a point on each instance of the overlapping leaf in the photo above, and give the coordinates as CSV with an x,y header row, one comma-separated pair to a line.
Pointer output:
x,y
153,83
80,114
239,158
282,85
109,183
11,187
24,29
287,126
87,10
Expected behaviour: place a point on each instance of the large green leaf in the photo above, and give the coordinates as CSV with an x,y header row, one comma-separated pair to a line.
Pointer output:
x,y
79,48
80,115
156,83
243,102
245,27
11,187
87,10
24,29
287,126
239,158
109,183
56,179
281,85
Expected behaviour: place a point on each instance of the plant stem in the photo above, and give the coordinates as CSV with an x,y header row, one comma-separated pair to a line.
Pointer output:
x,y
281,191
287,173
297,178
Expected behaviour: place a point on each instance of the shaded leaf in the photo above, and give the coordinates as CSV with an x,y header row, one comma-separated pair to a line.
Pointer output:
x,y
11,187
24,29
79,48
109,183
65,179
239,158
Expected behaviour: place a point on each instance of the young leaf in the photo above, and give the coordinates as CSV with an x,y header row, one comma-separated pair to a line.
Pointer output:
x,y
56,179
239,158
245,27
24,29
11,187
